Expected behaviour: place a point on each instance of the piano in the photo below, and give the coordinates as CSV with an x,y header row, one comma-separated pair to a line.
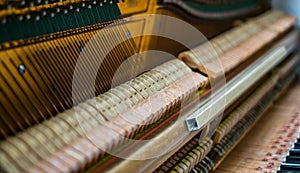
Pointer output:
x,y
148,86
272,145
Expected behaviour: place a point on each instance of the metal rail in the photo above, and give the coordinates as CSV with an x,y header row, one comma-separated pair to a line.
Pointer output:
x,y
234,88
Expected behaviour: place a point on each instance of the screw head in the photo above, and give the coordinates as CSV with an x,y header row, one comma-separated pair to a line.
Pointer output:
x,y
21,68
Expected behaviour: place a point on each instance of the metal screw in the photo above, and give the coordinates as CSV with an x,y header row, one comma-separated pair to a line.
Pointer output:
x,y
128,34
22,68
53,90
81,49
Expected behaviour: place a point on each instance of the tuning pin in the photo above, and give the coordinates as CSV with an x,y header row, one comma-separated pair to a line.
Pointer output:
x,y
44,13
20,18
9,6
3,21
23,3
37,18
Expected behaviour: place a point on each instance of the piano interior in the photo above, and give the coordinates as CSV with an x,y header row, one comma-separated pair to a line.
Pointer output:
x,y
148,86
